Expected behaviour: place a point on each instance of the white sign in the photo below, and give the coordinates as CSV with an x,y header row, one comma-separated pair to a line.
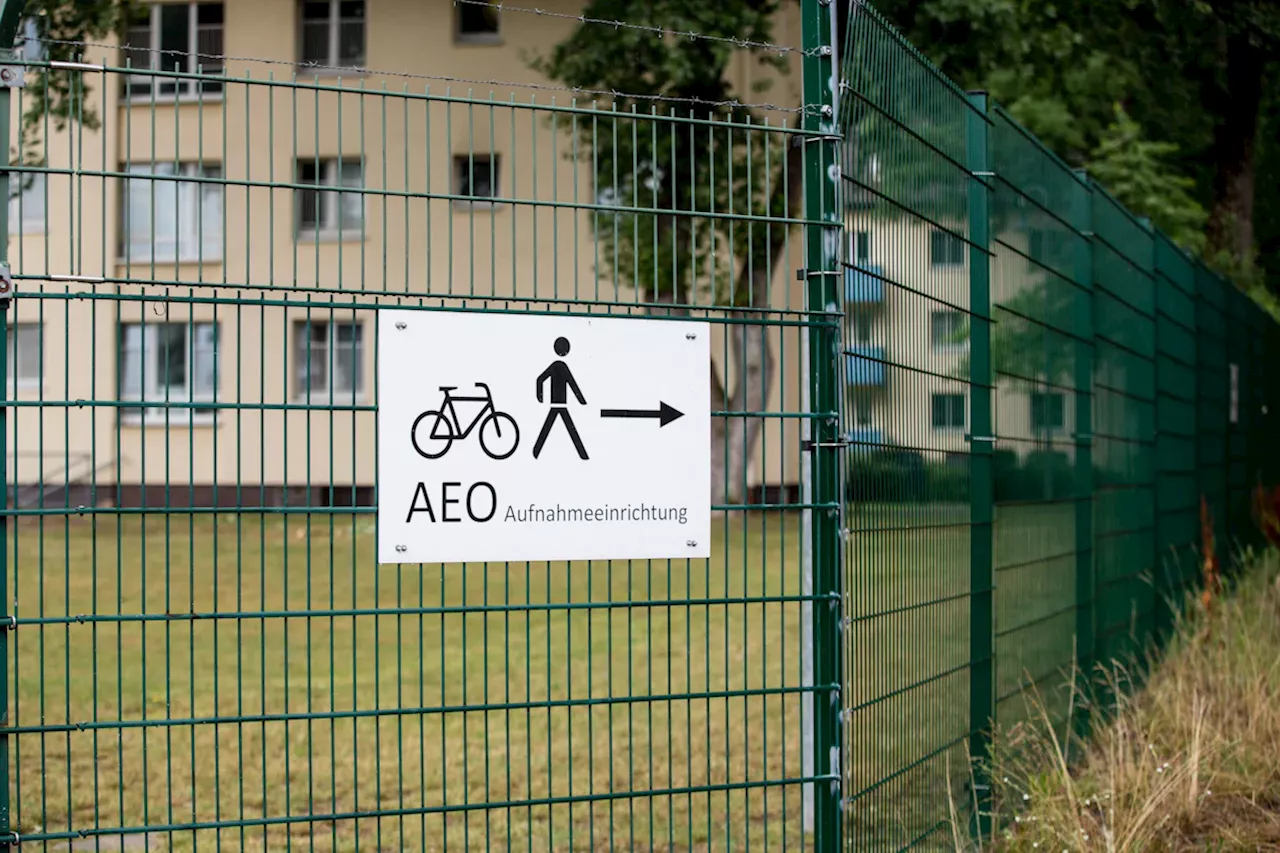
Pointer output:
x,y
524,437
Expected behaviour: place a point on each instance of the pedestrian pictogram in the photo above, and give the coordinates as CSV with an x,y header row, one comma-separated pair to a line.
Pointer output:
x,y
560,378
620,411
435,430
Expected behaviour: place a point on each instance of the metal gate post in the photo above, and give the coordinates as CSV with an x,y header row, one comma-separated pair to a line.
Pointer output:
x,y
10,15
981,488
822,301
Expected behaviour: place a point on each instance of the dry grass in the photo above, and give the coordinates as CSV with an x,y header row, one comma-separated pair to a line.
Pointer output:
x,y
1190,762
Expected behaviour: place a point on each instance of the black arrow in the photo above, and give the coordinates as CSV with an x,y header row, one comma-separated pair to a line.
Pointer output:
x,y
664,414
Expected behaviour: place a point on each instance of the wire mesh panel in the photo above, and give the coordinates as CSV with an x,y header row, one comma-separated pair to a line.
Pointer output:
x,y
965,409
207,653
908,254
1177,492
1241,473
1124,428
1213,393
1041,351
1263,451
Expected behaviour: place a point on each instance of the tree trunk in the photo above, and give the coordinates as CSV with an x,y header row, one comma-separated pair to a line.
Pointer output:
x,y
1235,137
733,438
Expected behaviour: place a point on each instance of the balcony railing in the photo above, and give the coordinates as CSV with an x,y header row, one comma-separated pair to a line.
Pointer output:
x,y
864,285
866,365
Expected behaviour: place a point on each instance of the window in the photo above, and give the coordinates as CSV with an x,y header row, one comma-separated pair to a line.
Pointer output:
x,y
30,44
948,411
329,360
476,23
1047,411
947,329
1036,244
172,220
862,407
1049,249
174,37
327,212
860,246
169,363
332,33
861,325
26,354
945,248
26,202
476,176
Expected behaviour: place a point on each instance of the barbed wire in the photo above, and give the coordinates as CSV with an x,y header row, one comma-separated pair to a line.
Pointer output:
x,y
731,103
661,32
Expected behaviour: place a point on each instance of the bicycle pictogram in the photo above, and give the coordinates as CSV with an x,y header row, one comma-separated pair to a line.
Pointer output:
x,y
499,435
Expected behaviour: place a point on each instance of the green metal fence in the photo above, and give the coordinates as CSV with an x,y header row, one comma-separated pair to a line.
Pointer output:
x,y
965,410
1059,386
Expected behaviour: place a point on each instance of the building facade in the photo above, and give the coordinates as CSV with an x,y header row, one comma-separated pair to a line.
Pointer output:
x,y
204,201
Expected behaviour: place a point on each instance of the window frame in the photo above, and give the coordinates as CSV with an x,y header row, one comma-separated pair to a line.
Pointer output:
x,y
21,219
303,392
477,38
861,325
1043,397
153,389
861,408
188,224
30,31
950,409
860,247
945,346
467,200
329,190
188,89
942,237
13,380
334,31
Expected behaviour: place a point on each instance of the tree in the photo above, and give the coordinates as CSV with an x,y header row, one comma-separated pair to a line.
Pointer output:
x,y
1140,174
671,174
56,98
1189,74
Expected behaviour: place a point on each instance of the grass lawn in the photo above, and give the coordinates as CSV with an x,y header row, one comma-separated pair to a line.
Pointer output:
x,y
411,697
492,695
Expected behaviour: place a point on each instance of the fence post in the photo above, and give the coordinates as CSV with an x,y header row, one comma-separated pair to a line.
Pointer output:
x,y
981,489
822,300
1085,581
10,14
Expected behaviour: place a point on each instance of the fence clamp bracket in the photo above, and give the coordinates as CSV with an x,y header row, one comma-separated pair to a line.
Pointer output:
x,y
814,445
11,76
6,286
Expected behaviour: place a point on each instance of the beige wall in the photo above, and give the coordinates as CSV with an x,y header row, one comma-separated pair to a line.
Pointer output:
x,y
410,245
